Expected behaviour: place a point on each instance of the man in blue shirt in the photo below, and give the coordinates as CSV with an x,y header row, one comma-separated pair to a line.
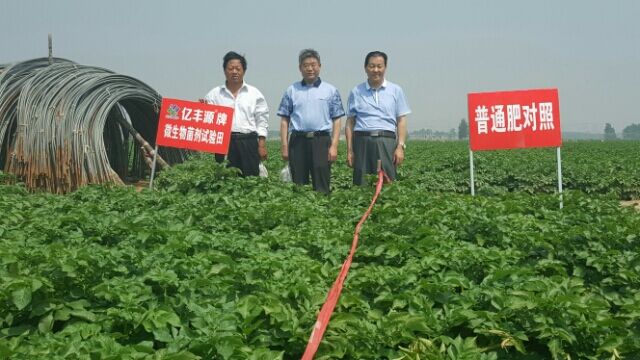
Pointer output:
x,y
310,113
376,127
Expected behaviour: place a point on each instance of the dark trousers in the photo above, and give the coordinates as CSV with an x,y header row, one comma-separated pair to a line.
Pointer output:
x,y
310,156
243,154
367,150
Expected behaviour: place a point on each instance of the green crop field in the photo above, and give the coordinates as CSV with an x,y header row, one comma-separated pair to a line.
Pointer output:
x,y
213,266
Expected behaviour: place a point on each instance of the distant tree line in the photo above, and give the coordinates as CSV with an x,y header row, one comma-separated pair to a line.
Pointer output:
x,y
429,134
609,132
631,132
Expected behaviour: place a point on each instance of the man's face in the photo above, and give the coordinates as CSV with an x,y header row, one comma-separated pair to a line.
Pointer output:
x,y
310,70
234,72
375,69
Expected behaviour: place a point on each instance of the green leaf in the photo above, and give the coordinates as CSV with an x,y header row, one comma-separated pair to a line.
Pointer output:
x,y
226,346
555,348
182,355
266,354
83,314
145,347
63,314
217,269
35,284
611,343
17,330
159,318
249,307
46,323
85,330
416,323
21,297
5,350
162,335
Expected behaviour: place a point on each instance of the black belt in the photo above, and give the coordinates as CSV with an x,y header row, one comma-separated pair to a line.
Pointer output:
x,y
239,135
309,134
377,133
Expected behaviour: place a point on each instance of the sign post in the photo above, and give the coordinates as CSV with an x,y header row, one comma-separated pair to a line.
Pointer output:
x,y
193,125
559,175
514,119
153,166
473,182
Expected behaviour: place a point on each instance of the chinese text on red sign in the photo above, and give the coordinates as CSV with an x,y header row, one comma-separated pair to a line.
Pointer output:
x,y
514,119
194,125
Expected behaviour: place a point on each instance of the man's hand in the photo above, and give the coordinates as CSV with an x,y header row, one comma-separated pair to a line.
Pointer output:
x,y
350,158
262,151
333,153
285,152
398,156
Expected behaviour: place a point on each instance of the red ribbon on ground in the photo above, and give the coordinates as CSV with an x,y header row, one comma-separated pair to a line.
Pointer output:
x,y
334,294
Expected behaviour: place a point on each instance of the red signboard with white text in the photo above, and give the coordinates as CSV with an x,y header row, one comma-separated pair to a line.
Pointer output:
x,y
514,119
194,125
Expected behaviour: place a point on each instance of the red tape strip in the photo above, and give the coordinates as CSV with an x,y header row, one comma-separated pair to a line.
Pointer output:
x,y
334,294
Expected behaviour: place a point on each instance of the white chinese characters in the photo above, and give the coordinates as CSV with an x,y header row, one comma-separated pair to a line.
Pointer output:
x,y
514,118
197,125
193,134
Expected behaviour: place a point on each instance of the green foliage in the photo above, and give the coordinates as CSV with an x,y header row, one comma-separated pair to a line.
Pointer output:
x,y
631,132
200,174
594,167
214,266
448,349
7,179
463,130
609,132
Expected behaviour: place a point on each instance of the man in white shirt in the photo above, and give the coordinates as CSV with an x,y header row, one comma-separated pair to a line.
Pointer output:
x,y
250,116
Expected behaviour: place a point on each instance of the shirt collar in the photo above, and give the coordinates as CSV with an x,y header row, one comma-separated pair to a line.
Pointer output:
x,y
315,83
244,86
384,85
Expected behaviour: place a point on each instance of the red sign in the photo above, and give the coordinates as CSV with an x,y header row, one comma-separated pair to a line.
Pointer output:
x,y
194,125
514,119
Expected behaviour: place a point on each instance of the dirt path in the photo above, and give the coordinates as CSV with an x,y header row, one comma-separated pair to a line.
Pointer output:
x,y
634,203
140,185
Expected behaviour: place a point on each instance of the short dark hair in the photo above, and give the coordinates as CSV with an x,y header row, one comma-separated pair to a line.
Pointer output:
x,y
232,55
375,54
308,53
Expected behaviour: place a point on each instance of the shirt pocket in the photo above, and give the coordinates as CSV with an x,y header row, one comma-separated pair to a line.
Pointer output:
x,y
322,104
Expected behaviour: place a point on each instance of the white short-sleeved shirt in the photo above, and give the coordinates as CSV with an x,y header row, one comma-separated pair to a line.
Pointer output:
x,y
251,113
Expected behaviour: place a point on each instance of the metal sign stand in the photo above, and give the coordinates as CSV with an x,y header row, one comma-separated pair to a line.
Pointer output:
x,y
473,182
559,161
153,167
559,175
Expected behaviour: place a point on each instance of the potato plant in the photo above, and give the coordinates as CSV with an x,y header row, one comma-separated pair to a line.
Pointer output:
x,y
213,266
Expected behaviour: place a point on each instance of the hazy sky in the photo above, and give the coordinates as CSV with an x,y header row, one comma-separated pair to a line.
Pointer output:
x,y
438,50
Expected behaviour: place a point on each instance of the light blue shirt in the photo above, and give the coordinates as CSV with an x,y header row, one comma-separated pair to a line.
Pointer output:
x,y
311,107
377,109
